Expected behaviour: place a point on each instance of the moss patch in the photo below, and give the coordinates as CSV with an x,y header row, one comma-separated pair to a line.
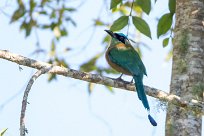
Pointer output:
x,y
182,66
197,90
183,43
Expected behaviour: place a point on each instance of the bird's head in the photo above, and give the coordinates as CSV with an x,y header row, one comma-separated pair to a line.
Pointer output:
x,y
119,36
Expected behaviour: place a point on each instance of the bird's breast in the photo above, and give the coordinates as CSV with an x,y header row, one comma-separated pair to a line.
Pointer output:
x,y
114,65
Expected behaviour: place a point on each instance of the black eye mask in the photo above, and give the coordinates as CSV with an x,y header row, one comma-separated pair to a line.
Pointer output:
x,y
120,38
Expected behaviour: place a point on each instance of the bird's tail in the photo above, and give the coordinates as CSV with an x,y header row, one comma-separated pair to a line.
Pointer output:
x,y
140,91
142,96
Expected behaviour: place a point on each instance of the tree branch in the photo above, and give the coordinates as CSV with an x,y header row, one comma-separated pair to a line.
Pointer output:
x,y
23,129
195,105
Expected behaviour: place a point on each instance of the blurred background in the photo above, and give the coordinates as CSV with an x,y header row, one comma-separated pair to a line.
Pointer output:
x,y
71,33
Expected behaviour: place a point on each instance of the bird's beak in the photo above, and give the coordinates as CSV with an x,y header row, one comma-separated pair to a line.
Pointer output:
x,y
110,33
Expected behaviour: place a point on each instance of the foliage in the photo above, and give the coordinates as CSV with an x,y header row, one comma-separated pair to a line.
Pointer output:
x,y
91,64
164,24
142,26
59,15
114,3
145,5
165,42
172,6
119,23
2,132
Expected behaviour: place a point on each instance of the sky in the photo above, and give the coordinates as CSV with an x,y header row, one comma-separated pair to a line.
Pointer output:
x,y
64,107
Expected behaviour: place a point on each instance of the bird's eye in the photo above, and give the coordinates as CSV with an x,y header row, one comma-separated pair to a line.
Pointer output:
x,y
121,38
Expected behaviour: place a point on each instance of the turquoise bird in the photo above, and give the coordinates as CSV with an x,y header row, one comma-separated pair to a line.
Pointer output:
x,y
122,57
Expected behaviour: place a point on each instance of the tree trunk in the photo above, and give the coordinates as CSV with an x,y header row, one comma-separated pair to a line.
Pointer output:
x,y
188,68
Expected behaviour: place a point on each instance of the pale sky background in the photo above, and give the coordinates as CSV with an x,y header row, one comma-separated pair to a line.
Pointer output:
x,y
64,107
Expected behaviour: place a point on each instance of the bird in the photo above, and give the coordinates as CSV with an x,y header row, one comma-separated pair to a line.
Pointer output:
x,y
122,57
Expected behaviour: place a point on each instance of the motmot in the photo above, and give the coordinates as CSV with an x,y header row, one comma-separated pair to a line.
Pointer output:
x,y
122,57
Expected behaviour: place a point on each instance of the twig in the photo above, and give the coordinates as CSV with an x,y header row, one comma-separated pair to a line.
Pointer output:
x,y
130,16
194,105
23,129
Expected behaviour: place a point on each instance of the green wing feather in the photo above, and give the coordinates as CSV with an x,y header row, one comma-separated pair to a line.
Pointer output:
x,y
129,59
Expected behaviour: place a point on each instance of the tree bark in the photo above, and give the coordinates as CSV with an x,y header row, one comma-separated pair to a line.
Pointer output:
x,y
188,68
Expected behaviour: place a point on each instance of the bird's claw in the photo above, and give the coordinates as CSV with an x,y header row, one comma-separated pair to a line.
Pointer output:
x,y
132,81
120,78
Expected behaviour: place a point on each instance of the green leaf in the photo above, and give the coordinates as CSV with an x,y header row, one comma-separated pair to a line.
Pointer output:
x,y
18,14
145,5
44,26
26,26
43,12
90,88
29,27
110,89
119,23
114,3
20,2
43,2
53,14
142,26
52,77
98,22
169,55
53,48
164,24
3,131
70,9
62,63
63,32
32,4
106,39
172,6
165,42
91,64
28,31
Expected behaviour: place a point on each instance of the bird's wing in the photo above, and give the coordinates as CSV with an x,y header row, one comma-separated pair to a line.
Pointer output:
x,y
128,59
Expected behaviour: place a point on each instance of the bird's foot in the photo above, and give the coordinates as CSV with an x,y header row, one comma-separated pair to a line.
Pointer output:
x,y
120,78
132,81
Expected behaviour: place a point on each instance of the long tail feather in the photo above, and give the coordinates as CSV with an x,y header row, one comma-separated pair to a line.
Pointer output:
x,y
142,96
140,91
152,121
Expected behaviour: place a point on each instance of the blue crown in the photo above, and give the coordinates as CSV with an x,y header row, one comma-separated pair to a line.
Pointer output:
x,y
121,34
